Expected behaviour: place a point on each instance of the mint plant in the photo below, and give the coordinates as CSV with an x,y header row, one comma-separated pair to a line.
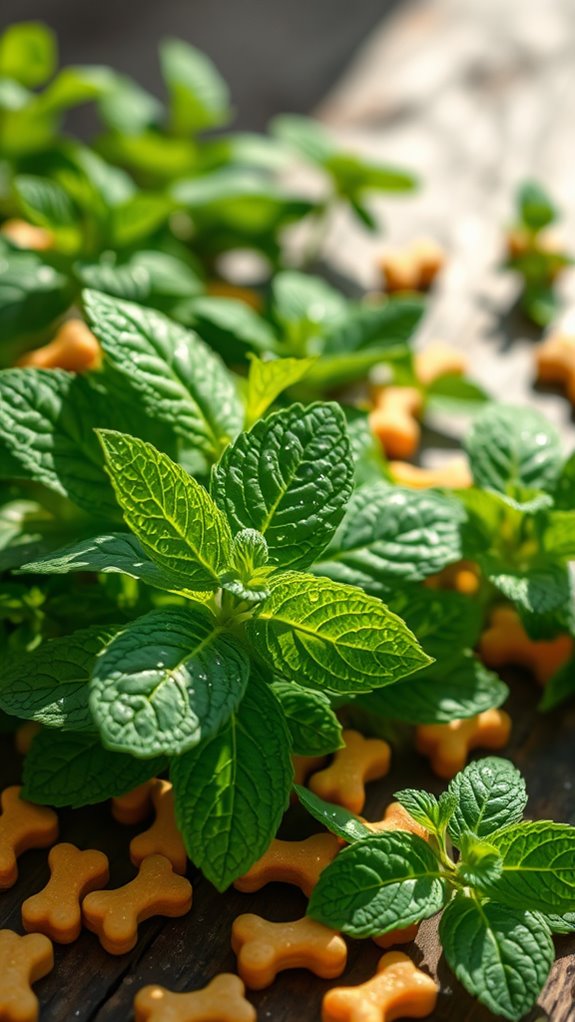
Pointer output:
x,y
503,885
535,254
240,650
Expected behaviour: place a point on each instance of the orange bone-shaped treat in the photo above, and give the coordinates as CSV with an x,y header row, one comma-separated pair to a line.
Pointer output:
x,y
115,915
438,359
507,642
163,837
291,862
74,348
463,577
399,990
22,826
555,361
135,805
395,420
25,735
361,760
453,475
265,948
26,235
414,267
222,1000
448,745
56,911
23,961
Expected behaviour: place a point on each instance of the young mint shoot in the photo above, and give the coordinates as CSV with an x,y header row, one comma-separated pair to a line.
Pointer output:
x,y
503,885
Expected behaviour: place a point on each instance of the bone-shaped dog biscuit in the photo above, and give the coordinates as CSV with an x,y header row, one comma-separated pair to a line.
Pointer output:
x,y
453,475
505,641
399,990
555,361
361,760
222,1000
74,348
304,765
23,961
163,837
26,235
394,420
291,862
22,826
413,267
135,805
56,910
264,949
115,915
463,577
448,745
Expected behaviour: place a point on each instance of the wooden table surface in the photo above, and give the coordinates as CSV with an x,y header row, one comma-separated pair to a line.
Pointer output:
x,y
475,96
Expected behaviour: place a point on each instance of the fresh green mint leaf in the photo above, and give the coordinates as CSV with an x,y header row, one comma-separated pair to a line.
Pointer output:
x,y
267,380
198,94
313,726
559,535
559,688
290,478
561,924
302,307
180,381
563,491
64,768
479,860
490,794
45,203
538,866
47,418
536,209
384,882
510,446
454,687
425,808
33,294
383,328
227,815
50,684
229,326
540,590
443,621
388,534
454,394
117,552
308,137
338,820
176,521
28,53
327,635
501,956
170,680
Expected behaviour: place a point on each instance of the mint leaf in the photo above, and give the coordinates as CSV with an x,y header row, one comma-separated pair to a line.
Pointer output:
x,y
513,446
117,552
170,680
229,326
68,769
425,808
389,533
561,924
490,794
313,726
327,635
46,423
50,684
538,590
338,820
174,518
226,815
180,380
538,866
442,620
449,689
501,956
46,203
535,207
383,328
198,93
290,478
267,380
28,53
385,882
559,688
302,306
559,534
563,490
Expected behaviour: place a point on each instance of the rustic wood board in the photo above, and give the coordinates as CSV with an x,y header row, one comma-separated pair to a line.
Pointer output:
x,y
474,96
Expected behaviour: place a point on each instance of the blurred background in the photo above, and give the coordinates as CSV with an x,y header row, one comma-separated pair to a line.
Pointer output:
x,y
276,55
